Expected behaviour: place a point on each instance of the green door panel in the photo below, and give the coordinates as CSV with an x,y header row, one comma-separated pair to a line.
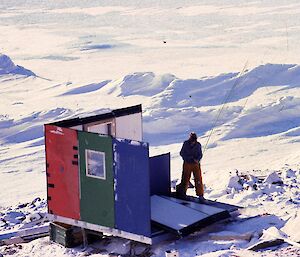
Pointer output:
x,y
96,194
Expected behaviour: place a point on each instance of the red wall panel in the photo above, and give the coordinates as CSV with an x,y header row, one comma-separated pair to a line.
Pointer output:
x,y
62,171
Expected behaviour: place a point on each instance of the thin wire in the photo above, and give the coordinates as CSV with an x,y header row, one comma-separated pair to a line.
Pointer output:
x,y
224,103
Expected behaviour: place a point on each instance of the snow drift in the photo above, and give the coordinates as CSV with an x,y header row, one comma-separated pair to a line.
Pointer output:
x,y
8,67
256,124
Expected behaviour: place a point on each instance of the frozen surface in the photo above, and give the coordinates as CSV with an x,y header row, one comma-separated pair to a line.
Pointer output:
x,y
64,59
8,67
84,41
251,159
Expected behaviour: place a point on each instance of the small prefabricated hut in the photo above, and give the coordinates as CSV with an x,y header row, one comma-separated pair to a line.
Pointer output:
x,y
100,177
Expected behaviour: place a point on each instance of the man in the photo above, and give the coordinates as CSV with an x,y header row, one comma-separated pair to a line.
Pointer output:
x,y
191,154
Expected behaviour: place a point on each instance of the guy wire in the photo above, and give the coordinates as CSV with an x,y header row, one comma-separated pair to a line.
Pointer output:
x,y
226,98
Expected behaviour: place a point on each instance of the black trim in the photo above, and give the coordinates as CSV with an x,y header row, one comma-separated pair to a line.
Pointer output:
x,y
47,165
47,174
204,223
50,185
49,198
75,163
75,147
95,118
163,154
75,156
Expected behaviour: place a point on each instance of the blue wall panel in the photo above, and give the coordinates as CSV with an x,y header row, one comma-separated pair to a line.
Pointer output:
x,y
132,187
160,180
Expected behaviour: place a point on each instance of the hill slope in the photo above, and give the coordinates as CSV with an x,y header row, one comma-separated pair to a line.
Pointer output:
x,y
260,106
248,125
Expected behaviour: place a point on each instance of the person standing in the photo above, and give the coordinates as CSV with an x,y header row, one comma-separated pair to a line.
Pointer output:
x,y
191,153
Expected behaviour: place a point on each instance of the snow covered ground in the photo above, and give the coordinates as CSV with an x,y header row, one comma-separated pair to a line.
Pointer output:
x,y
251,159
182,62
181,37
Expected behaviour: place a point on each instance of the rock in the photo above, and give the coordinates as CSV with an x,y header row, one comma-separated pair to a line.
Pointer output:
x,y
273,178
33,217
289,173
3,223
22,205
14,217
234,183
38,199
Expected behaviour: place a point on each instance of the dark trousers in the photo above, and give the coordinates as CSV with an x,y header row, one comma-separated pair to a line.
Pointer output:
x,y
188,169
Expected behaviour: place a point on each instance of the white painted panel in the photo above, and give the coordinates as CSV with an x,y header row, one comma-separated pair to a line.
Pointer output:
x,y
172,214
79,127
130,127
206,209
106,128
99,128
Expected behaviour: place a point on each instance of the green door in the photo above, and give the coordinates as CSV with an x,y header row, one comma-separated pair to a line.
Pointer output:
x,y
96,179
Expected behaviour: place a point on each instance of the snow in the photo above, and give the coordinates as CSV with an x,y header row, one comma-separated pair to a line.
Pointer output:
x,y
8,67
256,169
273,178
290,228
67,59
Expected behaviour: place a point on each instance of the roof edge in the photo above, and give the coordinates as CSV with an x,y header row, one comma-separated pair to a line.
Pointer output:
x,y
113,114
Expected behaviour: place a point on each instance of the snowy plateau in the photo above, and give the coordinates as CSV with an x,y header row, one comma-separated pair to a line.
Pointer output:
x,y
244,109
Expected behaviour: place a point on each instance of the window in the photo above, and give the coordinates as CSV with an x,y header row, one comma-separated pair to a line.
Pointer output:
x,y
95,164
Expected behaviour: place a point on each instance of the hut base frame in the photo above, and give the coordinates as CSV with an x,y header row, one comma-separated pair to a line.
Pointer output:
x,y
106,230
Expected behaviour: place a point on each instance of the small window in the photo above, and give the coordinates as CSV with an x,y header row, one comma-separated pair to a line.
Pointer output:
x,y
95,164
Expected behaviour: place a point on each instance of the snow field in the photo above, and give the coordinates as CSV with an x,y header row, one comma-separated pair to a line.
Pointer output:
x,y
251,158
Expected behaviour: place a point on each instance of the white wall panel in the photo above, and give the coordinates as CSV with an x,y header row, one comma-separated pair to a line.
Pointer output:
x,y
130,127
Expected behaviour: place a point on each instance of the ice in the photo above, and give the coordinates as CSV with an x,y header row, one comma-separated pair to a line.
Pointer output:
x,y
243,164
93,56
291,228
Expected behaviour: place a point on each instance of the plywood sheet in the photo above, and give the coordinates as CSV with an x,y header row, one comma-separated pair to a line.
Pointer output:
x,y
132,188
62,171
160,179
183,217
225,206
173,215
96,195
130,127
206,209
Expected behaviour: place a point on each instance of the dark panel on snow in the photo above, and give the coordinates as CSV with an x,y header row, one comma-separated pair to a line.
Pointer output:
x,y
97,195
62,176
180,218
100,117
132,188
160,180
